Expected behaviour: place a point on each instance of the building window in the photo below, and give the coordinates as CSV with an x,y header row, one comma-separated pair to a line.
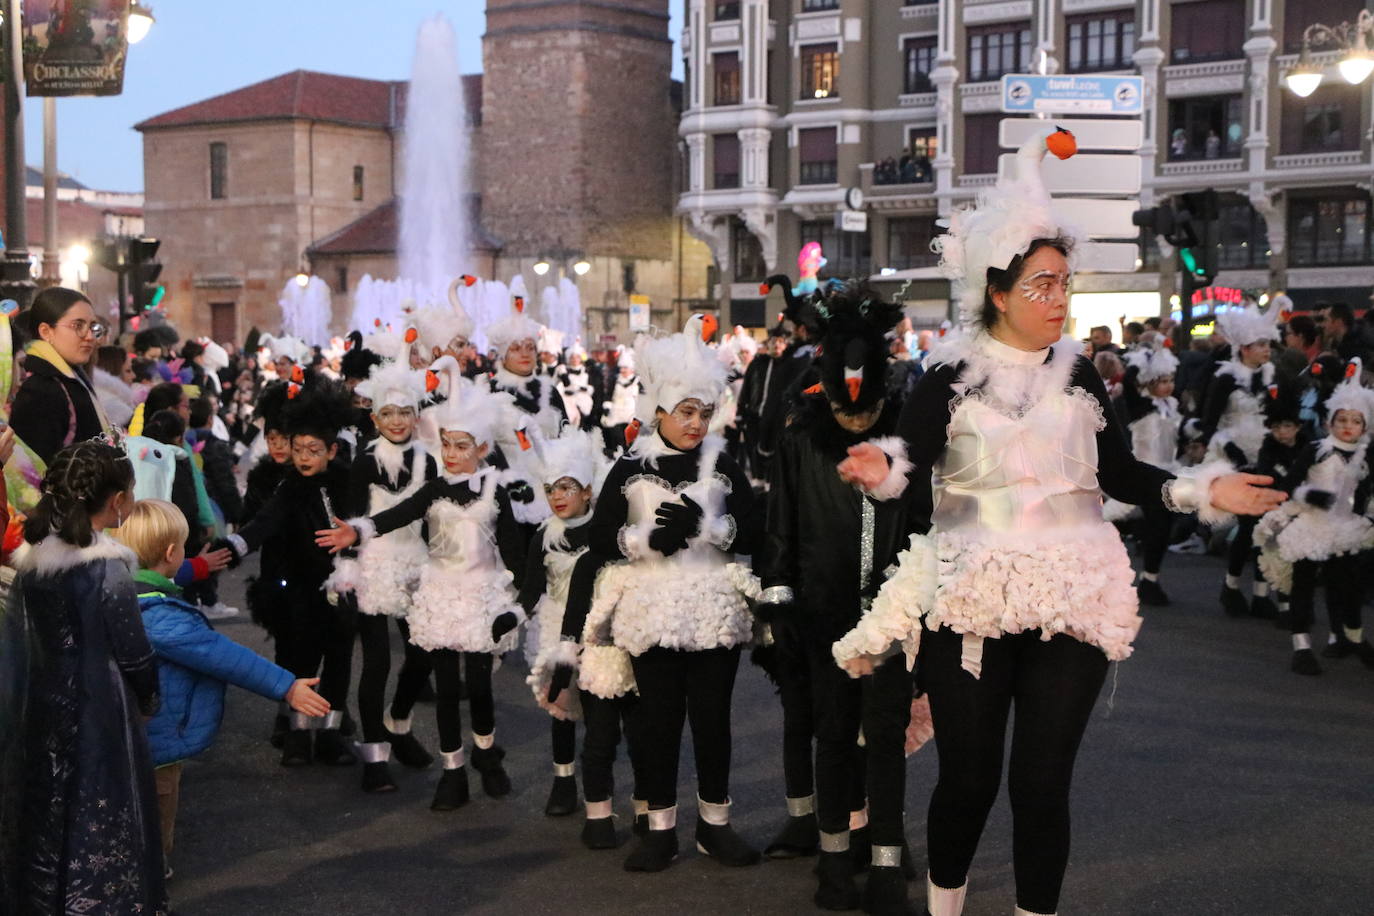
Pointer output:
x,y
1206,127
1102,41
816,6
981,143
908,242
923,143
357,182
1207,30
820,68
920,60
219,171
997,49
725,160
914,165
847,254
725,68
341,278
1326,121
1328,231
746,254
1241,238
818,154
726,9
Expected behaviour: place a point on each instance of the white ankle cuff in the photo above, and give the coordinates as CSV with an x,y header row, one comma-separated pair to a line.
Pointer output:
x,y
800,807
1301,641
485,742
332,719
945,901
453,759
663,818
374,752
717,815
564,769
835,842
396,726
887,856
1024,912
601,810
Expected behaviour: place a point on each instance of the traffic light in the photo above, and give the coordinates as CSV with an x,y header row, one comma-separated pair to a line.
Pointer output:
x,y
144,269
1198,253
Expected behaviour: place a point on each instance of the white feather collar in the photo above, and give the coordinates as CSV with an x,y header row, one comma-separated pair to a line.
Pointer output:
x,y
52,555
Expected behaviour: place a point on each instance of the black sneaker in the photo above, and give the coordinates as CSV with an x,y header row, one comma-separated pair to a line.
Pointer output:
x,y
487,761
377,777
1233,602
280,726
331,747
656,851
599,833
408,751
1151,593
886,893
724,845
1338,649
1305,662
799,837
296,747
835,887
562,797
452,791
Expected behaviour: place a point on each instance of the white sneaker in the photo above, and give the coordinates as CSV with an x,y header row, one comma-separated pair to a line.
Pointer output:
x,y
219,611
1193,544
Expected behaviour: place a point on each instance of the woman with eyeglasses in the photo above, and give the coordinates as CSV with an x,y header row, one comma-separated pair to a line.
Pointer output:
x,y
56,403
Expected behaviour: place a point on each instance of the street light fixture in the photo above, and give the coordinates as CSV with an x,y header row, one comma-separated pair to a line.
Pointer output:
x,y
1355,66
140,21
581,268
541,267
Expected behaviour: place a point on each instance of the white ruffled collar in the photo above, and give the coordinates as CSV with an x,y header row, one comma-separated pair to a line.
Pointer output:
x,y
509,380
52,555
1007,354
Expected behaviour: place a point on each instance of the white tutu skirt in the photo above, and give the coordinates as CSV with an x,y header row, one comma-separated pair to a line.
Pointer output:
x,y
455,608
1295,531
677,605
389,573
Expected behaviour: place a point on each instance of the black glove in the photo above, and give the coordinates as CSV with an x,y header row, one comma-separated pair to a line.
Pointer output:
x,y
677,524
226,544
561,680
1321,499
520,491
503,625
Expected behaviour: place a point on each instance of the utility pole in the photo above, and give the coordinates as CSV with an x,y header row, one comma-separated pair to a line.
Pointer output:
x,y
16,278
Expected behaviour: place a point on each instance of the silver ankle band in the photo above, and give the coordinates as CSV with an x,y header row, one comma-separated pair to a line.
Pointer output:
x,y
599,810
374,752
800,807
332,719
300,721
835,842
396,726
565,769
453,759
887,856
663,818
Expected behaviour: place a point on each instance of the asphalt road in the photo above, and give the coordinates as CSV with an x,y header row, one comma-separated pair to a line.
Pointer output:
x,y
1211,780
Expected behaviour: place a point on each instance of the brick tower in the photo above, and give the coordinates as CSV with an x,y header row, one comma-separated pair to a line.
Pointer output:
x,y
578,129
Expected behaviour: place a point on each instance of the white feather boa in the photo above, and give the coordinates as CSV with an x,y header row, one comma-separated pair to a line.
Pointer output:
x,y
454,609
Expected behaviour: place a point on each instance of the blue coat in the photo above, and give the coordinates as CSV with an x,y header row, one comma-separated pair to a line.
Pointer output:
x,y
194,665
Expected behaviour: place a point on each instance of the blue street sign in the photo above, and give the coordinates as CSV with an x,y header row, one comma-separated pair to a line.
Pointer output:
x,y
1069,94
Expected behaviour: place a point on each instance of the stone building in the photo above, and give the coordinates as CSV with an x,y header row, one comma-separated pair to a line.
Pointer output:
x,y
573,162
789,104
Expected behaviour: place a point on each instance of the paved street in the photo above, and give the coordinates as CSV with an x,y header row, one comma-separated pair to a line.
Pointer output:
x,y
1211,781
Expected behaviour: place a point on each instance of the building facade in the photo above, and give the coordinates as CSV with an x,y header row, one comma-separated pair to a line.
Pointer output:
x,y
571,131
790,104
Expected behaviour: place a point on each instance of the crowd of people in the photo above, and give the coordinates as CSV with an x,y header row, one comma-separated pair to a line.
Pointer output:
x,y
913,531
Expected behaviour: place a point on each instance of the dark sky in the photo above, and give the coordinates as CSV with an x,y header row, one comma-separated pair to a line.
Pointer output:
x,y
201,48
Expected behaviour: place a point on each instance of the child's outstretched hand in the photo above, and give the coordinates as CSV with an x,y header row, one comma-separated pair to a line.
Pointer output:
x,y
341,536
215,560
303,699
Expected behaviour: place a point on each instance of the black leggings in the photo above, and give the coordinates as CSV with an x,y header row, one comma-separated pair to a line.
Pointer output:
x,y
794,690
1155,525
1242,548
602,722
448,685
563,733
375,638
1343,577
1054,685
881,704
678,686
316,637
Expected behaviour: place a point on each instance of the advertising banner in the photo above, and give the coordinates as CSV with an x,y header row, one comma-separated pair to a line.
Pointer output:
x,y
75,47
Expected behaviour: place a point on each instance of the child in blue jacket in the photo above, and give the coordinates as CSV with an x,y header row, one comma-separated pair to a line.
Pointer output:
x,y
194,662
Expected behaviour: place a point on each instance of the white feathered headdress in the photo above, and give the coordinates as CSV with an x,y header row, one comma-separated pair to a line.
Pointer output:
x,y
677,367
517,325
440,325
216,358
394,384
468,407
1351,394
576,453
293,348
550,341
1152,361
625,357
1001,225
1242,327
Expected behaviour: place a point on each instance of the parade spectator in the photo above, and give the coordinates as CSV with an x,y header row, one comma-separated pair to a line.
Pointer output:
x,y
1347,337
1101,339
112,376
56,404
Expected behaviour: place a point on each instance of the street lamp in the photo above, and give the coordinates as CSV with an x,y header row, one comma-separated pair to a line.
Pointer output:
x,y
1355,66
140,21
541,267
581,268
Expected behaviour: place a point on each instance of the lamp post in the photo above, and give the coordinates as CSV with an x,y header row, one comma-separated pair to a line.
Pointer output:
x,y
1355,66
16,279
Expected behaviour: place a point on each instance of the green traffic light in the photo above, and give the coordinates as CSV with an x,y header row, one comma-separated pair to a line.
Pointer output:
x,y
1189,260
156,299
